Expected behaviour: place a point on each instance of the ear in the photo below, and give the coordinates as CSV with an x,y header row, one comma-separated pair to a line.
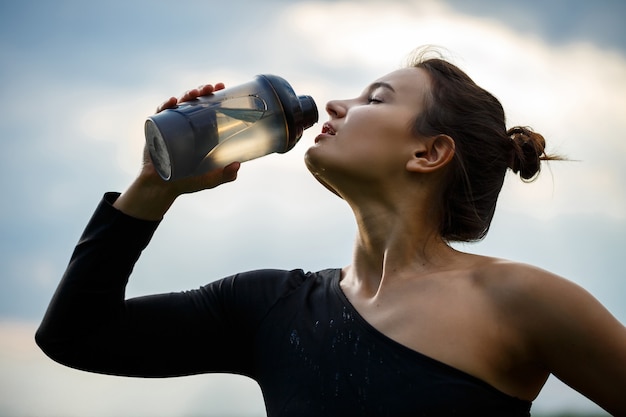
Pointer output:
x,y
433,153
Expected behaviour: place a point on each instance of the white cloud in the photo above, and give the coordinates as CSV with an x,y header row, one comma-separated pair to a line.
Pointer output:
x,y
59,391
574,94
33,385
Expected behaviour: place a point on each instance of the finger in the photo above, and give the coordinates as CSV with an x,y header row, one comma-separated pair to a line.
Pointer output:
x,y
211,179
205,90
189,95
220,176
225,175
230,172
168,104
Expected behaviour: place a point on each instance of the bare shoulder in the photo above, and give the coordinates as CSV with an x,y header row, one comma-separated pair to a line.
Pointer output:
x,y
519,282
568,331
543,304
535,291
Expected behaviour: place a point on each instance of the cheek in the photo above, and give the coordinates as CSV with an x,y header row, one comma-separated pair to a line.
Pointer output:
x,y
376,124
366,140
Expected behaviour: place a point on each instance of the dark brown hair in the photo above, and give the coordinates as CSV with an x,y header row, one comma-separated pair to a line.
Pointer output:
x,y
484,148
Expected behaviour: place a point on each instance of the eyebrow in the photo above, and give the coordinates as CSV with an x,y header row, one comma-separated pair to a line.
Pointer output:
x,y
380,84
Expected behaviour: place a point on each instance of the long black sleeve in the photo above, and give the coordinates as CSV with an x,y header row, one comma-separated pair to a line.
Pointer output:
x,y
295,333
89,325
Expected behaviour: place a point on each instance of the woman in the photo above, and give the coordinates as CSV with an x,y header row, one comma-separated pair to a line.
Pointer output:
x,y
410,327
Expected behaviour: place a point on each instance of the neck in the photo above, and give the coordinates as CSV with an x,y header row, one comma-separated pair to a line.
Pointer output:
x,y
395,242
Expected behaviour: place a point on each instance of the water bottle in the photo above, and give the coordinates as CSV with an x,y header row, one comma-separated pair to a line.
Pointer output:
x,y
241,123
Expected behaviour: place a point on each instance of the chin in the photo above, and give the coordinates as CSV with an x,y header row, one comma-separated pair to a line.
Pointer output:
x,y
328,186
312,161
318,172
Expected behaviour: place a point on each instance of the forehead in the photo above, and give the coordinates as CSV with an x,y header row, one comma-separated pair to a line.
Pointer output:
x,y
406,81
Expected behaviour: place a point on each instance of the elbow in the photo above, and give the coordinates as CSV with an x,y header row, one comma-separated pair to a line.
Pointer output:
x,y
46,342
57,347
71,349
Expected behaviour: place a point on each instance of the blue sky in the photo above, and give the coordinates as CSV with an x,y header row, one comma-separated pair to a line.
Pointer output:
x,y
78,79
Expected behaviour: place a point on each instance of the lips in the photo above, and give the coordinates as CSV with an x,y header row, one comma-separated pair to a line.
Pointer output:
x,y
328,129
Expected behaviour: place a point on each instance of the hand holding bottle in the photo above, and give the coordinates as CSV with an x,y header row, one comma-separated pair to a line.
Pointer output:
x,y
149,196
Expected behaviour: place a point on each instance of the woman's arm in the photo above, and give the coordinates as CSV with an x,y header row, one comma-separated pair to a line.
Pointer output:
x,y
577,339
89,324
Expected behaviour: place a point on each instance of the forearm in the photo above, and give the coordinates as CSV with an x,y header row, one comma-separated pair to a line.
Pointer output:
x,y
146,199
91,293
149,197
90,325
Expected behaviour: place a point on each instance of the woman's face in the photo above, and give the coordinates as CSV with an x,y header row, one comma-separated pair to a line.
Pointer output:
x,y
368,138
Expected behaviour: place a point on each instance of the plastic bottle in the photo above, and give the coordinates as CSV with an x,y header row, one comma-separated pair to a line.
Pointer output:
x,y
240,123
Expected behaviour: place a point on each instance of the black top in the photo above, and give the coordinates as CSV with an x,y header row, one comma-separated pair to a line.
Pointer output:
x,y
295,333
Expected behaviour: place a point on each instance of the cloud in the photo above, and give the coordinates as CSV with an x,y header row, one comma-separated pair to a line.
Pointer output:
x,y
557,22
60,391
31,384
74,129
575,94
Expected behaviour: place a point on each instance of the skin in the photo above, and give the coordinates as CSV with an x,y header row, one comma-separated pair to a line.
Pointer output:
x,y
149,197
508,324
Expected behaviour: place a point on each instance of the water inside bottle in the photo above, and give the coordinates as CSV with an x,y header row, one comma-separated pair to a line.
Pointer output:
x,y
236,141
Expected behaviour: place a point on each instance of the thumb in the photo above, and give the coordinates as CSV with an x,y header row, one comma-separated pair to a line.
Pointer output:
x,y
230,172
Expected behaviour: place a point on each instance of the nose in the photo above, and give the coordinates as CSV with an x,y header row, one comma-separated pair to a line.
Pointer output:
x,y
336,109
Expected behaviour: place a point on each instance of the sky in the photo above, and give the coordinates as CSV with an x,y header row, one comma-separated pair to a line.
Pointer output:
x,y
78,79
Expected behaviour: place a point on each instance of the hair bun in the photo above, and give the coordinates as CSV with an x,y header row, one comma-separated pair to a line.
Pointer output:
x,y
527,152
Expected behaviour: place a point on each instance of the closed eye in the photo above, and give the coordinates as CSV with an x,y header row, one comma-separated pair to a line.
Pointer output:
x,y
373,100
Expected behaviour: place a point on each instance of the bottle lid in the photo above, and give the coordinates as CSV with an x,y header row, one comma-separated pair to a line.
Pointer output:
x,y
310,115
300,111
